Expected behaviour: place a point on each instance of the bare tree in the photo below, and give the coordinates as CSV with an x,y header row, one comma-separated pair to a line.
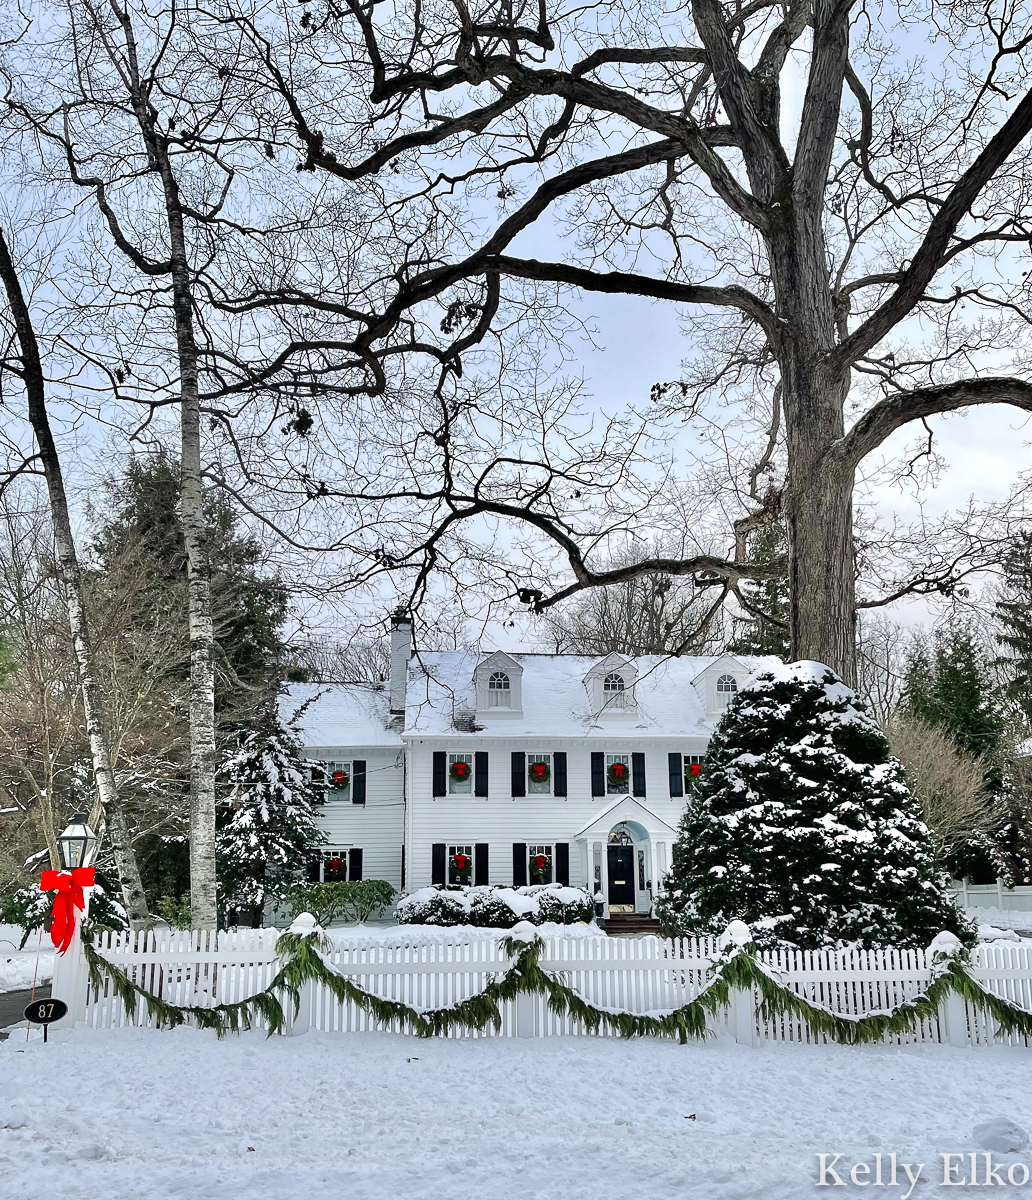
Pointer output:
x,y
949,784
28,366
852,264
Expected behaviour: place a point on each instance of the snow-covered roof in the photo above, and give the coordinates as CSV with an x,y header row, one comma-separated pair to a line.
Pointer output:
x,y
555,701
340,714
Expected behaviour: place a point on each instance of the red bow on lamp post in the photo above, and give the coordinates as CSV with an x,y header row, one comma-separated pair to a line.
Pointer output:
x,y
69,896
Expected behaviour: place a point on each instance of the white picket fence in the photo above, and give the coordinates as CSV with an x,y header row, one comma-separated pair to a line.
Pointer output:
x,y
640,975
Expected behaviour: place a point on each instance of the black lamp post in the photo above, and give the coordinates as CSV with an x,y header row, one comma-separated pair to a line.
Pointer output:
x,y
76,843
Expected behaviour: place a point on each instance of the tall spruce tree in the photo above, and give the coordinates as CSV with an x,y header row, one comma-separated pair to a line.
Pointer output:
x,y
1014,614
766,629
267,824
802,825
950,684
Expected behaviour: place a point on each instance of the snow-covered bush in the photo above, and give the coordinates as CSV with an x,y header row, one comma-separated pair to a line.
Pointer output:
x,y
496,907
30,909
802,825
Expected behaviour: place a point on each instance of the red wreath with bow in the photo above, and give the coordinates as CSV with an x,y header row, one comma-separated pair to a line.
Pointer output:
x,y
460,771
461,861
695,768
617,773
69,896
540,862
539,772
335,866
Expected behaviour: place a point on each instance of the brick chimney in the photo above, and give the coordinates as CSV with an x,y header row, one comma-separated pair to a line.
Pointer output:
x,y
401,652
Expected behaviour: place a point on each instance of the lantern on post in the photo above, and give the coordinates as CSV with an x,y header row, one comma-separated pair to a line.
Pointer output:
x,y
76,843
75,846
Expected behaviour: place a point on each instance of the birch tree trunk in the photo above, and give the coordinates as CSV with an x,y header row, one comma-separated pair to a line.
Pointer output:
x,y
71,582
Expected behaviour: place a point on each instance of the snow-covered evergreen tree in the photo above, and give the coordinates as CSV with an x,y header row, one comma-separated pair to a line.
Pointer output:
x,y
803,826
268,827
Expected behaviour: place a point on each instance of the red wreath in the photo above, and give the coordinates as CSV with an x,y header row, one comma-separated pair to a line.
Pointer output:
x,y
539,772
335,866
617,773
695,768
461,861
540,862
340,779
460,771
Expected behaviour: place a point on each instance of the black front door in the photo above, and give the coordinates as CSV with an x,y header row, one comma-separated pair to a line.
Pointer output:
x,y
621,875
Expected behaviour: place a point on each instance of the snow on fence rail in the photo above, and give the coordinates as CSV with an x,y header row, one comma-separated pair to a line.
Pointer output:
x,y
640,975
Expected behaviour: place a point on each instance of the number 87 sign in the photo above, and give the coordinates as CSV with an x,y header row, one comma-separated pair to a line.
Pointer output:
x,y
44,1012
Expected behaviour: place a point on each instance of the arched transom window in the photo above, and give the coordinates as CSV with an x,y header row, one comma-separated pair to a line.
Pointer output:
x,y
614,691
727,685
499,690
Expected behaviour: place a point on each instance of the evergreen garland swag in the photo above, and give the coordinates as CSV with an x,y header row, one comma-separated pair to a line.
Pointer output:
x,y
736,969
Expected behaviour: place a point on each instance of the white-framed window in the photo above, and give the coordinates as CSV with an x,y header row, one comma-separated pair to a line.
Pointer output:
x,y
727,685
460,774
333,864
337,774
460,865
618,774
614,691
499,690
692,770
539,864
539,774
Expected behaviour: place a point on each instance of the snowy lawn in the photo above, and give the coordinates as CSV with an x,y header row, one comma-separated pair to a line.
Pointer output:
x,y
148,1115
19,967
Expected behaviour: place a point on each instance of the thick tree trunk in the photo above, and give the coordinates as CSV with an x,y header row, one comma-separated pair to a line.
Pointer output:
x,y
71,581
819,513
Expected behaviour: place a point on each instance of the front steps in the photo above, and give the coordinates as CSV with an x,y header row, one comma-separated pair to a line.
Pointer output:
x,y
631,925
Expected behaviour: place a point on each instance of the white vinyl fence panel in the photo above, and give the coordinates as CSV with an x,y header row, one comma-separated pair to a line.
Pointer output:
x,y
639,975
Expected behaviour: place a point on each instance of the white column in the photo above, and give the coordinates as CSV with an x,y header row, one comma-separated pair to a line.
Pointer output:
x,y
71,978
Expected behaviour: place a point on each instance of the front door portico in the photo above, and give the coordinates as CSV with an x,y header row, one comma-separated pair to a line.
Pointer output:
x,y
624,850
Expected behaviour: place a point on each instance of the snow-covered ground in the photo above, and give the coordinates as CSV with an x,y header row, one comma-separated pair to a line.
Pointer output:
x,y
18,968
154,1115
1001,918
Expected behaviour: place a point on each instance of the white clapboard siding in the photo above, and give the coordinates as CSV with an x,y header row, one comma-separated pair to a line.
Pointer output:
x,y
640,975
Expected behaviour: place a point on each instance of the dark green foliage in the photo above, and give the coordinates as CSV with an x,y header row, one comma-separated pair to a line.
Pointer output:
x,y
143,534
164,868
950,684
766,632
736,969
356,900
803,826
1014,614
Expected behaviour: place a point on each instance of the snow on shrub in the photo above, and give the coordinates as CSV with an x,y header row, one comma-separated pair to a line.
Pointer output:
x,y
494,907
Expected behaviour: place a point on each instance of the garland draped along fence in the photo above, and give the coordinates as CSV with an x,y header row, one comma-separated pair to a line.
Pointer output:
x,y
523,985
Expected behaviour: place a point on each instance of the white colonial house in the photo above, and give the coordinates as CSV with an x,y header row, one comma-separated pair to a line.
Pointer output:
x,y
513,768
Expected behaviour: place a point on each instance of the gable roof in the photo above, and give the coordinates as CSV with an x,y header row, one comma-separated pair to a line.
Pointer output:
x,y
340,714
556,702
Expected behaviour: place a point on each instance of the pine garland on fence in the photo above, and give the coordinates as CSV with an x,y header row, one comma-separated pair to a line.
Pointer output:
x,y
737,969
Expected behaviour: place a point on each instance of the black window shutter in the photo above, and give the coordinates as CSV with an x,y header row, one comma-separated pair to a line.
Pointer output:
x,y
354,864
312,867
559,773
358,781
562,863
598,773
403,867
519,773
638,774
480,773
480,864
519,864
676,762
437,863
440,774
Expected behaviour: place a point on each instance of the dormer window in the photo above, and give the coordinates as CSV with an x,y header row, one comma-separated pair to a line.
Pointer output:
x,y
499,690
727,685
614,691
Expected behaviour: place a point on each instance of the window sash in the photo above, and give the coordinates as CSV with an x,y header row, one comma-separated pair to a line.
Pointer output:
x,y
460,787
331,768
618,789
691,776
457,877
545,874
327,856
539,787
